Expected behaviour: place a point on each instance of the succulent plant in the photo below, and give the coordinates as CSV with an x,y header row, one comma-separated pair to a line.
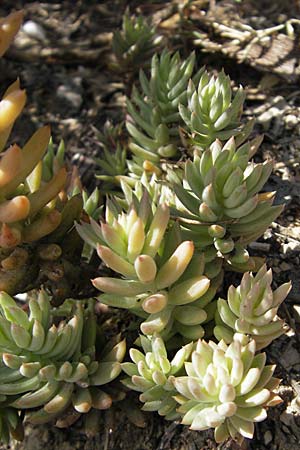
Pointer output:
x,y
218,201
31,205
26,211
211,112
154,116
251,309
51,367
135,43
150,374
161,275
227,388
48,222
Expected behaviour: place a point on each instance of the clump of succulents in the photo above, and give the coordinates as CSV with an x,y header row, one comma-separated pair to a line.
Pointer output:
x,y
32,180
227,387
163,240
162,278
135,43
151,373
251,309
28,209
47,367
36,213
218,199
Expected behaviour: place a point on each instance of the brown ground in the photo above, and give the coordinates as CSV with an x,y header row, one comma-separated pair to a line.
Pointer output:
x,y
69,86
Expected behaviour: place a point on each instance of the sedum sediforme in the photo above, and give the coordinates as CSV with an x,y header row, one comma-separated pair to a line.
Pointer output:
x,y
150,373
227,388
48,367
162,278
29,181
38,218
251,309
219,203
212,112
135,43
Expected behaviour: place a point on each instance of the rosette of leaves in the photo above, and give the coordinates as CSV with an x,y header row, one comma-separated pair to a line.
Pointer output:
x,y
150,373
135,43
154,117
162,280
219,203
251,309
212,112
227,388
49,367
132,193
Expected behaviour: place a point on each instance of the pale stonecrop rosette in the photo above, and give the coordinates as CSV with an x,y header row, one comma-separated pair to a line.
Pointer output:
x,y
150,372
227,388
251,309
162,280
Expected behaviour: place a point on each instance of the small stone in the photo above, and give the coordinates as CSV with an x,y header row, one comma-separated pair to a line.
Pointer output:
x,y
285,429
285,266
268,437
287,419
263,246
290,121
275,110
69,97
294,232
290,247
290,356
268,234
34,30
